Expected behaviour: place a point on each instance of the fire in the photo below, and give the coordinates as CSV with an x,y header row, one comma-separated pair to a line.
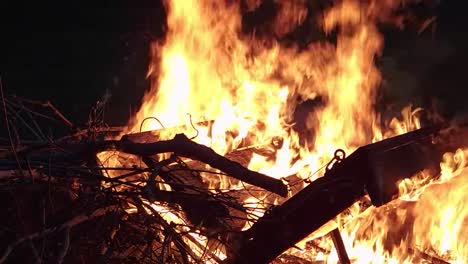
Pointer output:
x,y
447,200
207,68
403,230
228,88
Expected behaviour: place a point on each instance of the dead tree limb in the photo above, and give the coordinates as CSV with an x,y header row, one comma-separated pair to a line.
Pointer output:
x,y
292,221
183,146
180,145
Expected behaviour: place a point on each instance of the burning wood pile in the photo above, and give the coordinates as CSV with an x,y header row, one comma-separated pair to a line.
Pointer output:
x,y
246,177
65,202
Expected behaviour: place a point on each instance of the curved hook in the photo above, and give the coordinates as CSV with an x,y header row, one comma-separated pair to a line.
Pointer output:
x,y
338,156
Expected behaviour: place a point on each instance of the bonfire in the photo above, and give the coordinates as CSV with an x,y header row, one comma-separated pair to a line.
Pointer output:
x,y
244,150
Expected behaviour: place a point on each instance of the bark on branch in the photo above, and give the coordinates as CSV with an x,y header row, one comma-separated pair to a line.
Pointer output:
x,y
183,146
180,145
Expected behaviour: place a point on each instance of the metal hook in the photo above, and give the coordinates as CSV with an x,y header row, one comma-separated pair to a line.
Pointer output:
x,y
338,156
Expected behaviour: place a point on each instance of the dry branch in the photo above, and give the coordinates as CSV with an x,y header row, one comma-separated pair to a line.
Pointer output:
x,y
303,213
182,146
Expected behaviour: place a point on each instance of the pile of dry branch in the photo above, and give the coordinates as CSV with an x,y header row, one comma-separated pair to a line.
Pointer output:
x,y
64,204
90,198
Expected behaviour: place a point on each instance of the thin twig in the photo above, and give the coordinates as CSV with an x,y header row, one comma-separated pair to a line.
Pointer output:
x,y
7,123
66,245
20,104
48,104
25,123
84,132
183,247
59,114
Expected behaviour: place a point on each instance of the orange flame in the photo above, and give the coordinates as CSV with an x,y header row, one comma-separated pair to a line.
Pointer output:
x,y
249,87
208,69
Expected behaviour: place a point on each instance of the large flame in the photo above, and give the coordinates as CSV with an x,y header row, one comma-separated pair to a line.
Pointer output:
x,y
247,88
408,231
250,87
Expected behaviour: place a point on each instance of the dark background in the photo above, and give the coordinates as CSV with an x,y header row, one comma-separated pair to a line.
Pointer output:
x,y
73,54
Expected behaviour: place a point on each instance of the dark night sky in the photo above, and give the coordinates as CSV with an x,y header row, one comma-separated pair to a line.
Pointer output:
x,y
72,53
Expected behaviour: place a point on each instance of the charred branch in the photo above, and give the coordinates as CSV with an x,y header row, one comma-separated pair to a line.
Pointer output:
x,y
182,146
287,224
339,246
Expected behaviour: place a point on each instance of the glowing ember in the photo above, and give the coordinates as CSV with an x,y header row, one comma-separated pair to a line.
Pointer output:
x,y
249,88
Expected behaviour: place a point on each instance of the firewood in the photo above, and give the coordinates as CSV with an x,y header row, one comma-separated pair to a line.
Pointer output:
x,y
182,146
